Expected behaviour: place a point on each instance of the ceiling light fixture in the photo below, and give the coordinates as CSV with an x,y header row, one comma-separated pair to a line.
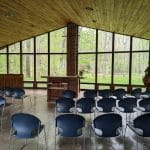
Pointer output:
x,y
89,8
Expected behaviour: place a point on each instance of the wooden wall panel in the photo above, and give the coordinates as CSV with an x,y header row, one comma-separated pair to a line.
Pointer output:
x,y
11,80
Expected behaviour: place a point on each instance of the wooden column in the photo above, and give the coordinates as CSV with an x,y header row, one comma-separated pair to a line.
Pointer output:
x,y
72,47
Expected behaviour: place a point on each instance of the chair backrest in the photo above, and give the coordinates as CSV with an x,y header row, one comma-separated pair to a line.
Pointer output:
x,y
69,94
2,100
146,104
143,122
107,104
25,125
108,124
128,104
106,93
119,93
85,105
18,93
9,92
136,92
70,125
90,93
63,105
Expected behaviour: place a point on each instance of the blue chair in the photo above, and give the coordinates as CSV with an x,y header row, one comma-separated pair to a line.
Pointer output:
x,y
2,107
119,93
106,93
107,125
26,126
69,125
85,105
141,127
69,94
106,105
19,94
90,93
65,105
144,105
9,92
136,93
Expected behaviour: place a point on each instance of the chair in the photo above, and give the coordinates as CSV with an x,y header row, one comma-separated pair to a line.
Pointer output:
x,y
144,105
127,105
136,92
141,127
106,93
90,94
107,125
69,94
85,105
64,105
119,93
2,106
19,94
8,92
26,126
69,125
106,105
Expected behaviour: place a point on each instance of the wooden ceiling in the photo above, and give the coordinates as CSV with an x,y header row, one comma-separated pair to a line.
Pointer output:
x,y
21,19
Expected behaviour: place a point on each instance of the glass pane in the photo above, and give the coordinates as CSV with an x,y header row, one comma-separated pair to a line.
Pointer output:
x,y
42,85
15,48
87,86
41,67
42,43
3,50
139,64
87,39
104,41
104,68
140,44
28,67
86,67
122,42
102,87
121,68
58,41
58,65
3,64
28,46
14,64
28,84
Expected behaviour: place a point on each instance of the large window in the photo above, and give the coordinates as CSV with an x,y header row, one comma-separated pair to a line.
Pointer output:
x,y
28,59
58,52
86,54
3,61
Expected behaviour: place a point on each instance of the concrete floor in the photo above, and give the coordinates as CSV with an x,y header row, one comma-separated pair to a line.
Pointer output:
x,y
45,112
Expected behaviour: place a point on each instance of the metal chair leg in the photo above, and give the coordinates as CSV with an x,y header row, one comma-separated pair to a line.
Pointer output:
x,y
10,137
2,117
136,141
45,138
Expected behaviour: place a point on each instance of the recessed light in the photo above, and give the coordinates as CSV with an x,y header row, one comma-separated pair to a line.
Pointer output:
x,y
94,21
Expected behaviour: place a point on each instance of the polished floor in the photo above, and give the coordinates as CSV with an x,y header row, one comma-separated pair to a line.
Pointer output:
x,y
46,113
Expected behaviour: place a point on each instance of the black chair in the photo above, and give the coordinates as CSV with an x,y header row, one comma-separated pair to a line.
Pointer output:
x,y
119,93
85,105
26,126
107,125
69,94
19,94
69,125
128,106
141,127
136,93
64,105
90,93
144,105
106,93
106,105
